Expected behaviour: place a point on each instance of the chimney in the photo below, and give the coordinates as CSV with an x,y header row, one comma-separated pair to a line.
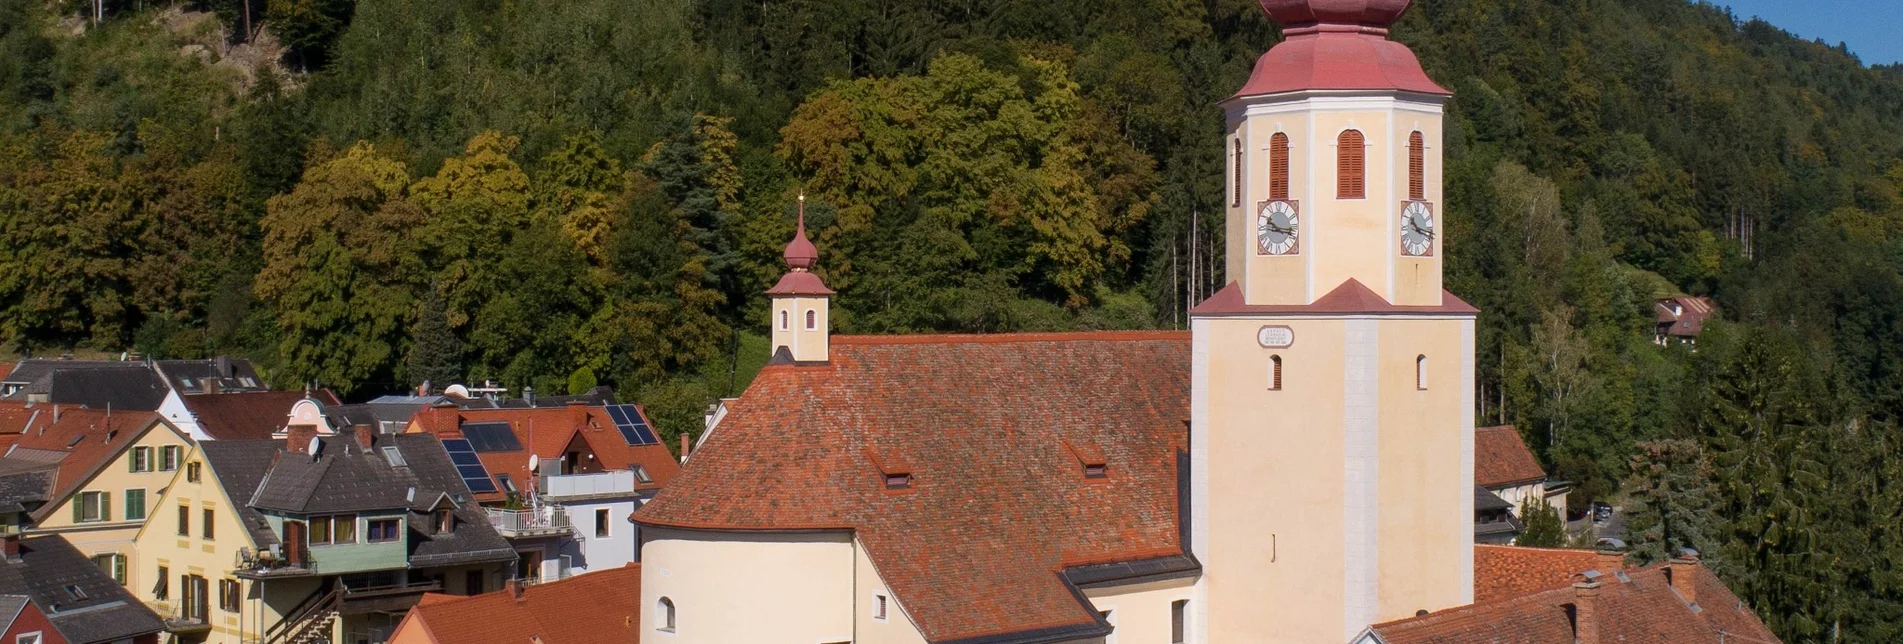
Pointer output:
x,y
223,365
423,389
578,412
211,385
1586,612
1611,557
687,443
528,395
297,438
1682,572
516,589
444,416
365,436
10,544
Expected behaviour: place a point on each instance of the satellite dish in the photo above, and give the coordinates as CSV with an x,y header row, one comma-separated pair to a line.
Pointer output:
x,y
535,462
313,447
458,391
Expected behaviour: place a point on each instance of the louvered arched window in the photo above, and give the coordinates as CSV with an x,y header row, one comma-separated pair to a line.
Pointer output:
x,y
812,320
1278,166
1351,168
1416,167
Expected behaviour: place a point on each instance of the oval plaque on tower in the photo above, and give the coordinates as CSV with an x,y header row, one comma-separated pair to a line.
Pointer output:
x,y
1275,337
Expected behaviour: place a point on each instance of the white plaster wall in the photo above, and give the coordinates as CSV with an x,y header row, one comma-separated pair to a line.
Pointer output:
x,y
730,587
1141,613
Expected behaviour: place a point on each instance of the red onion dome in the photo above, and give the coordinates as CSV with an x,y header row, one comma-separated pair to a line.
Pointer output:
x,y
1372,13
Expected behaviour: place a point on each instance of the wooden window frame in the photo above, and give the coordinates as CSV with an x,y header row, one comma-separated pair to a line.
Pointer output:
x,y
392,529
1278,167
602,523
1275,372
1235,199
184,520
1416,167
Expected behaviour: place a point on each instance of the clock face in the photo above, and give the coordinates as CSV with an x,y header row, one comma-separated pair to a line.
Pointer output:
x,y
1277,228
1417,229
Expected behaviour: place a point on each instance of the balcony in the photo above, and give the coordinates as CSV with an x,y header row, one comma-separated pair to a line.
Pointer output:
x,y
517,524
618,483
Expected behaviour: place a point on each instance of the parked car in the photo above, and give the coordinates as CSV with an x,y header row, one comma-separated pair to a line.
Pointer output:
x,y
1601,512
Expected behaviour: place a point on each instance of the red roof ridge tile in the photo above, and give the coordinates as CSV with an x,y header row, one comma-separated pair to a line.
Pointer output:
x,y
1000,338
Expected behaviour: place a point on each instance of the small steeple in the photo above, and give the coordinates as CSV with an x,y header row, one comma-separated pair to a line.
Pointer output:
x,y
801,302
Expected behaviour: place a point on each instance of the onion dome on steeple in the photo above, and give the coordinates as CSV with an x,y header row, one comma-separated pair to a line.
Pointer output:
x,y
800,253
801,256
1334,45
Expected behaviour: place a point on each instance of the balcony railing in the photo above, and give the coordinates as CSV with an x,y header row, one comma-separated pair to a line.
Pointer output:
x,y
549,520
565,485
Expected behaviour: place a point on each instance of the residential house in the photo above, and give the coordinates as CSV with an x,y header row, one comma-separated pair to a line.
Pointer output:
x,y
600,607
564,479
130,385
1680,319
78,601
102,472
1506,467
1494,521
25,623
248,414
335,543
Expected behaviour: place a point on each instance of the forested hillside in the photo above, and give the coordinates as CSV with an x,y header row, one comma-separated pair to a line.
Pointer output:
x,y
564,193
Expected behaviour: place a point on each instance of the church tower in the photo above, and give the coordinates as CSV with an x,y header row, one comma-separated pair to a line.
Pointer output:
x,y
801,302
1332,394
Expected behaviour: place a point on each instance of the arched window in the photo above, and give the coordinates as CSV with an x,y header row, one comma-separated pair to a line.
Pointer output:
x,y
1236,167
1278,166
1420,372
812,319
1275,373
784,325
1350,166
664,615
1416,167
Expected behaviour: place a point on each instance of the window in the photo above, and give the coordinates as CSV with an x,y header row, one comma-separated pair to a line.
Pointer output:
x,y
205,529
664,615
1096,471
75,592
878,607
192,472
1350,166
1420,372
472,582
1236,183
784,325
135,505
168,458
508,486
344,527
163,589
184,520
812,319
228,595
1278,166
1416,167
383,530
320,530
113,564
75,441
898,481
142,459
641,474
394,457
1179,618
445,521
1275,373
28,638
196,593
91,507
601,522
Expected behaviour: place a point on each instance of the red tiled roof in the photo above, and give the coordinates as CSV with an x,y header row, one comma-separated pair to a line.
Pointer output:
x,y
547,432
1645,609
5,369
1338,61
1501,458
82,434
1685,315
602,607
1350,297
987,424
255,414
1502,572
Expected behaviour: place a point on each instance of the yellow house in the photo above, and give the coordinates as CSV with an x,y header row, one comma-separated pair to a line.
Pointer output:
x,y
190,549
109,469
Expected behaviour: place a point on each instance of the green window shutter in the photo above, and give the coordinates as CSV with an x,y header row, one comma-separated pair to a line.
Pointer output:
x,y
105,506
119,569
135,505
79,504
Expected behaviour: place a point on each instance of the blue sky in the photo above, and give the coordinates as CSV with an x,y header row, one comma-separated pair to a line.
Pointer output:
x,y
1872,28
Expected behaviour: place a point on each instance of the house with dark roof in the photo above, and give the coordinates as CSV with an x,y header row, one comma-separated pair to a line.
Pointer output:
x,y
248,414
163,386
1506,467
1681,318
603,607
25,623
67,592
558,482
336,535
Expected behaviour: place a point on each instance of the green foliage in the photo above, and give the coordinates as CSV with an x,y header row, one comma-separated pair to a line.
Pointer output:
x,y
1544,527
435,354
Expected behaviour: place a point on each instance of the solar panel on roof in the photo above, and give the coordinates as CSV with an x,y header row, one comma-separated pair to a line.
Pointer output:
x,y
470,468
491,437
633,428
